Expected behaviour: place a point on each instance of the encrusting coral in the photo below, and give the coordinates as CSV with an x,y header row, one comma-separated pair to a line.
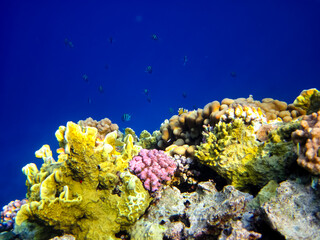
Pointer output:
x,y
308,143
88,192
308,100
233,151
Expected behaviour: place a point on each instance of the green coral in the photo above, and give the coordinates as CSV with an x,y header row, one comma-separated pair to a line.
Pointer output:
x,y
308,100
88,192
232,150
148,141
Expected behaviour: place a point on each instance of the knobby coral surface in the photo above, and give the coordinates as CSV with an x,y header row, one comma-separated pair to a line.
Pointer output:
x,y
153,167
233,151
308,143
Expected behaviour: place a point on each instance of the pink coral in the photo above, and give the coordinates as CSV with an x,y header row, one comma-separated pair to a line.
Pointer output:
x,y
9,214
153,167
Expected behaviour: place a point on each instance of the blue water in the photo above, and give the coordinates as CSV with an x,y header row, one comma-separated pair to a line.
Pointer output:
x,y
272,47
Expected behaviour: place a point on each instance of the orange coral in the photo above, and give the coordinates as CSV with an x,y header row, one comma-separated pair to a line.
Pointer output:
x,y
308,143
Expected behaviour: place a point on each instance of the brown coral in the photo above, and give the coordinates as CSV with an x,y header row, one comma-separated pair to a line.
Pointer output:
x,y
104,126
308,143
186,128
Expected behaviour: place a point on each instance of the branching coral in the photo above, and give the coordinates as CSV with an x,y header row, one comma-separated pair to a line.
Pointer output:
x,y
153,167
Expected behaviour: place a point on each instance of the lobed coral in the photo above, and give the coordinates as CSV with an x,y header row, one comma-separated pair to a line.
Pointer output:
x,y
184,130
104,126
153,167
88,192
308,143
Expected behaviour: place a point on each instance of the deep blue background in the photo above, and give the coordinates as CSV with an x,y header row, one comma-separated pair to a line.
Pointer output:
x,y
272,46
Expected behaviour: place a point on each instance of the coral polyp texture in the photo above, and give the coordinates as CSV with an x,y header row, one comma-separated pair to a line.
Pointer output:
x,y
104,126
308,142
153,167
234,152
9,213
88,192
181,133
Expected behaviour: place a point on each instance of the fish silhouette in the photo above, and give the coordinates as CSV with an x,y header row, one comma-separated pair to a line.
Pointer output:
x,y
126,117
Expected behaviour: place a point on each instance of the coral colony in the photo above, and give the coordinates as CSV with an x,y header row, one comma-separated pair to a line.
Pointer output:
x,y
239,167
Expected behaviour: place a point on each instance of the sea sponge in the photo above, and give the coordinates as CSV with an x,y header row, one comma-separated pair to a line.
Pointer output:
x,y
90,194
308,143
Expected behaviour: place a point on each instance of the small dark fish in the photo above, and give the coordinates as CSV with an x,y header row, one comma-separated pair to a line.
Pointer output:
x,y
126,117
148,70
184,95
68,43
85,77
101,89
106,66
154,37
149,100
185,60
111,40
233,74
146,92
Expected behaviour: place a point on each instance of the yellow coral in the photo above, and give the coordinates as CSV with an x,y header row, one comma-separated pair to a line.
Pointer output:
x,y
89,192
234,153
229,150
308,100
182,110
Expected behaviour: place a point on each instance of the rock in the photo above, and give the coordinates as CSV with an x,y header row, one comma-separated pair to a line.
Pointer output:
x,y
294,210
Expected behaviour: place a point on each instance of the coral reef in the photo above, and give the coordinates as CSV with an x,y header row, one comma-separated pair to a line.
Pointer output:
x,y
197,215
294,212
184,130
308,100
148,141
153,167
89,186
308,143
9,213
104,126
232,150
236,231
223,175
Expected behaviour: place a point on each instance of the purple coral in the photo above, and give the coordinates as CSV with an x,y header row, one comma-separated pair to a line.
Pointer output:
x,y
153,167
